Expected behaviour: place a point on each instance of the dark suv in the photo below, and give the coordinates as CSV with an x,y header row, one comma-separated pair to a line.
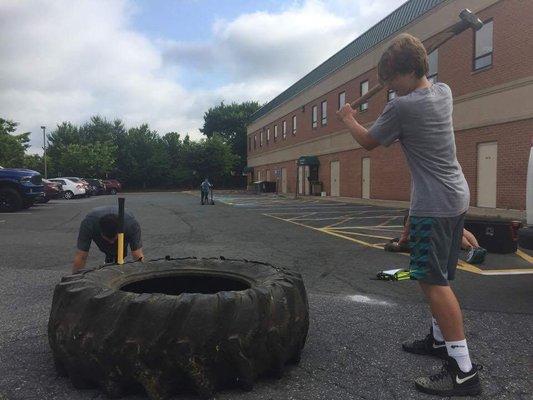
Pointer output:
x,y
19,188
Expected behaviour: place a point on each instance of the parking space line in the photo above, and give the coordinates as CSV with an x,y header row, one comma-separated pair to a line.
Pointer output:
x,y
301,216
462,265
356,233
524,255
340,222
389,220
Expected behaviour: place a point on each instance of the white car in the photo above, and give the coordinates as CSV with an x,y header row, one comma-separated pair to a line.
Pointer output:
x,y
71,189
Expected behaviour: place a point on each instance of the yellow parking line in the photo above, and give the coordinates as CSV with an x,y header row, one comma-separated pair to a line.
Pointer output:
x,y
301,216
389,220
462,265
339,222
356,233
524,255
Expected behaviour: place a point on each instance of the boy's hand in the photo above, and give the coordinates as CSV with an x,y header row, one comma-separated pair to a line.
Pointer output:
x,y
346,113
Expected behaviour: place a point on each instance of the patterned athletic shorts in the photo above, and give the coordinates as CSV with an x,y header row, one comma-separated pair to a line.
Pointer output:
x,y
435,243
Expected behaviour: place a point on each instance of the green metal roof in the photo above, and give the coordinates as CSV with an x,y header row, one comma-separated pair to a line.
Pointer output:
x,y
392,23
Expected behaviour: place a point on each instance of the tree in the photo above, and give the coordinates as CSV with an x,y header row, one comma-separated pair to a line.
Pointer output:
x,y
143,159
12,147
229,122
86,160
34,162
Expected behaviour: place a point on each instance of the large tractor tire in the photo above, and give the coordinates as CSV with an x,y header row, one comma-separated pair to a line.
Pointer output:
x,y
171,324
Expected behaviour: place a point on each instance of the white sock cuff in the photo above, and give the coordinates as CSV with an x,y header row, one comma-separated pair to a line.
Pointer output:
x,y
457,348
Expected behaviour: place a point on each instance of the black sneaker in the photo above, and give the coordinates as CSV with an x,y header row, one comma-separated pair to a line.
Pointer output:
x,y
451,381
427,347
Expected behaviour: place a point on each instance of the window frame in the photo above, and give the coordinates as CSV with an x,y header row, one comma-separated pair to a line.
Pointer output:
x,y
324,112
434,77
276,133
261,138
314,116
255,141
341,104
363,107
294,125
284,129
491,53
268,135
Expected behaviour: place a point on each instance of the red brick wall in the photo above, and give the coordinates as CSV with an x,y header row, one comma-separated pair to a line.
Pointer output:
x,y
513,154
512,59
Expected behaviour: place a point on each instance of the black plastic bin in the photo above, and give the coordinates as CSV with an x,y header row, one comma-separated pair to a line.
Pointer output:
x,y
497,236
265,187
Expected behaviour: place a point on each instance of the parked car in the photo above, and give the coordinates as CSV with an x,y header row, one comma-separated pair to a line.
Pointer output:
x,y
97,186
86,185
52,190
19,188
71,189
112,186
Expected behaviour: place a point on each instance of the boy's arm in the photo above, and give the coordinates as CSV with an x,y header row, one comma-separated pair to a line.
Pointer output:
x,y
347,115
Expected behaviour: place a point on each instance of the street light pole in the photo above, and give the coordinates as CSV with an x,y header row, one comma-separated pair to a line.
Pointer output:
x,y
44,150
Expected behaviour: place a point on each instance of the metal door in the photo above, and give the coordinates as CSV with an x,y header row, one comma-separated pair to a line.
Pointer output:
x,y
284,180
365,178
487,168
335,178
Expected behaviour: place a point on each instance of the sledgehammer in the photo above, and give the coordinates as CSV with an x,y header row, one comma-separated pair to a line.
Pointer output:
x,y
468,20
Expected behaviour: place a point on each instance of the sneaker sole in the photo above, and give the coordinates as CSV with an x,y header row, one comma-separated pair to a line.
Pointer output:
x,y
471,391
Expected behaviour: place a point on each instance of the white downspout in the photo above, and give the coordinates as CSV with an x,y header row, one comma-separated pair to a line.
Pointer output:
x,y
529,188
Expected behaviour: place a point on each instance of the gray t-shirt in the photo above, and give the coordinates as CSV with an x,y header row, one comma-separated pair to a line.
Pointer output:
x,y
422,122
90,231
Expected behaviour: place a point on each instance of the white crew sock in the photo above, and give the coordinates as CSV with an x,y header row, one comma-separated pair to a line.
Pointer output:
x,y
459,351
437,334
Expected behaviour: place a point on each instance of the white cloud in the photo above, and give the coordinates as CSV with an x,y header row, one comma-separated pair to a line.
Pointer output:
x,y
63,60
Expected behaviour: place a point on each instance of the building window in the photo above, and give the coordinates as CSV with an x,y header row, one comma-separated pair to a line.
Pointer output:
x,y
284,129
249,144
364,90
324,112
314,117
261,139
275,133
342,99
294,124
483,47
255,142
433,61
268,135
391,94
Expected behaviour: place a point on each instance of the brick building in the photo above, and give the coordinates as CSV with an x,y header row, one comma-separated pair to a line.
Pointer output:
x,y
490,73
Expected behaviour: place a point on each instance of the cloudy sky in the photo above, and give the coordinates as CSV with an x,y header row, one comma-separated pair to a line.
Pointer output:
x,y
164,62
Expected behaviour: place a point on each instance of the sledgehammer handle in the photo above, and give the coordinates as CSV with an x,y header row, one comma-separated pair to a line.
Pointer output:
x,y
120,238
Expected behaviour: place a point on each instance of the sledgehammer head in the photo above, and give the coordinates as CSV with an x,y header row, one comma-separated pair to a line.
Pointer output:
x,y
470,18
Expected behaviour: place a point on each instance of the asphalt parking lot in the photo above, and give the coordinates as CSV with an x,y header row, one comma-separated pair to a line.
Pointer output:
x,y
357,323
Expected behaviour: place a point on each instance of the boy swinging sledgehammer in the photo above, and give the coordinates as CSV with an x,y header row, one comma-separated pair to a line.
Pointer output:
x,y
420,118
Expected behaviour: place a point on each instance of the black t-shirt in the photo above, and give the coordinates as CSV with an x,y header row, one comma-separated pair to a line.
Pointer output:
x,y
90,231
